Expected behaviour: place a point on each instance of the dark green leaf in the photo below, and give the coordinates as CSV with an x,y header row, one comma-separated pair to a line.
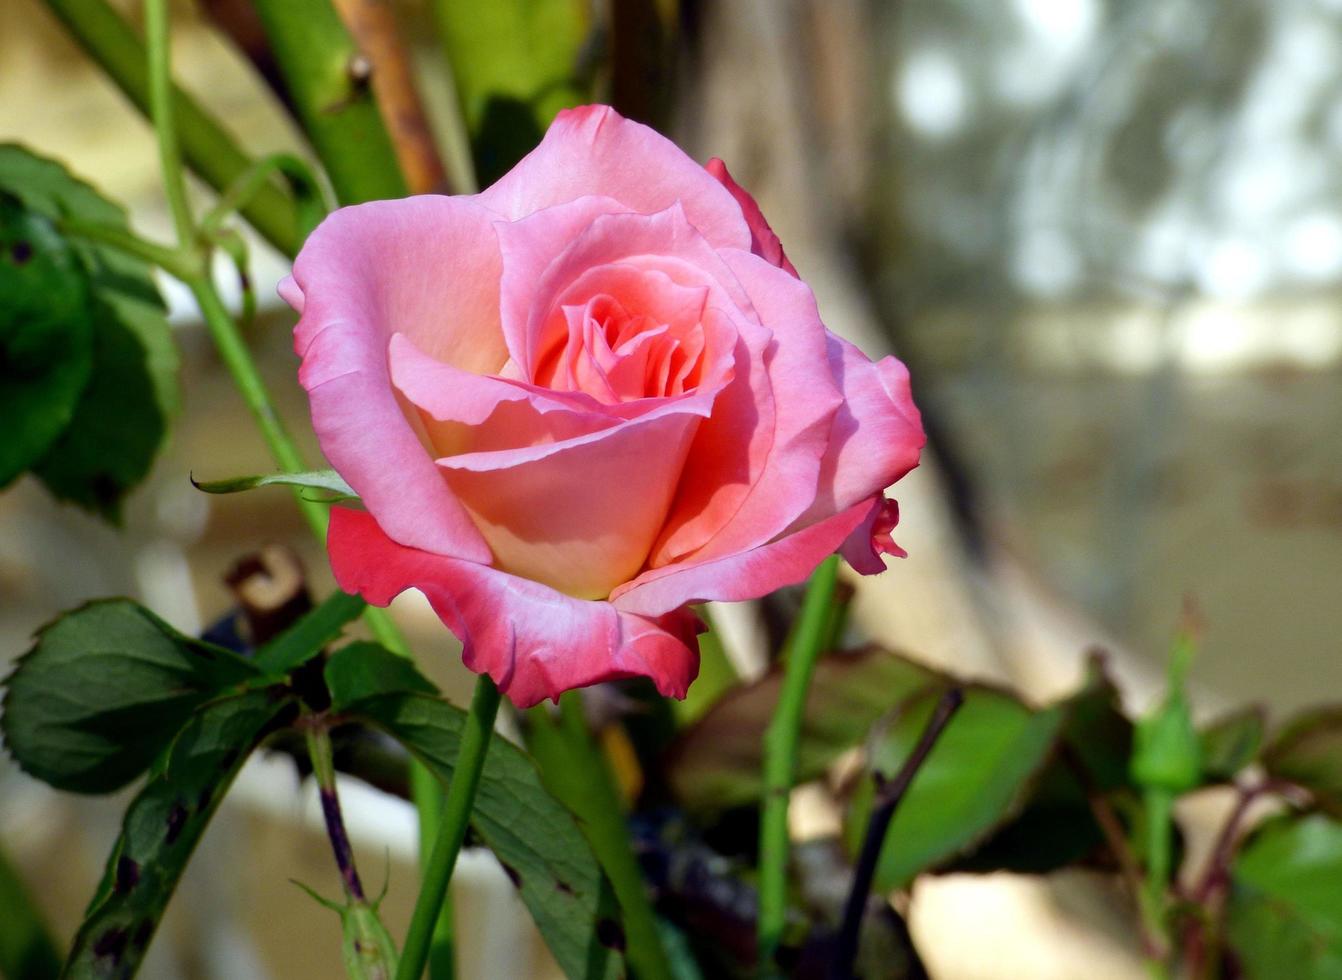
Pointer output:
x,y
305,639
977,776
533,836
717,761
328,480
104,689
123,414
46,339
162,827
26,949
515,64
1285,914
365,670
1230,743
1308,752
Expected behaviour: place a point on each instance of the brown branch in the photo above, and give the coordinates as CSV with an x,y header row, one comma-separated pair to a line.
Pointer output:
x,y
888,797
372,24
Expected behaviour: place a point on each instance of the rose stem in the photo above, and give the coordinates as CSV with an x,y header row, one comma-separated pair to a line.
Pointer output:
x,y
111,42
578,774
425,790
781,739
479,727
323,771
888,797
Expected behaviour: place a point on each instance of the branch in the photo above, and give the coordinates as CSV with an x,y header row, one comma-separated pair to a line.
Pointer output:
x,y
372,25
888,797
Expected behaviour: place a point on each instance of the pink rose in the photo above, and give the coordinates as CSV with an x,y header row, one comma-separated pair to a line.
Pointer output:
x,y
584,398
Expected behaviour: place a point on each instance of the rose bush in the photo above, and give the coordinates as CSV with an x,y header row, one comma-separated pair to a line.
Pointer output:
x,y
584,398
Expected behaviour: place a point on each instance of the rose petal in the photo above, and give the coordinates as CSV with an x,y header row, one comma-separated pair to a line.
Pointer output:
x,y
425,266
877,435
754,466
534,642
579,515
763,241
872,538
593,150
743,575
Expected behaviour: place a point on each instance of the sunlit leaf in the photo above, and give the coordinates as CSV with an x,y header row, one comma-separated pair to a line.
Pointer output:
x,y
515,64
976,777
1285,912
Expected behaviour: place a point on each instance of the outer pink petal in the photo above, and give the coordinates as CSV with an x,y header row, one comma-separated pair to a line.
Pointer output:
x,y
534,642
425,266
755,464
746,575
872,538
877,434
594,150
763,241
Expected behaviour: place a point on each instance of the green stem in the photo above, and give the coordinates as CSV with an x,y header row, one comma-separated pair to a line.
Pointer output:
x,y
165,120
451,828
237,359
577,774
327,79
179,263
208,148
1159,805
318,740
780,755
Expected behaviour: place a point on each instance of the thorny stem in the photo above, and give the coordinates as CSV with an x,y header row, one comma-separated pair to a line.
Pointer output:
x,y
781,740
888,797
451,828
233,350
318,740
111,42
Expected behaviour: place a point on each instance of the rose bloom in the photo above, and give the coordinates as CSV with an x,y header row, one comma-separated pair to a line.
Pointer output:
x,y
584,398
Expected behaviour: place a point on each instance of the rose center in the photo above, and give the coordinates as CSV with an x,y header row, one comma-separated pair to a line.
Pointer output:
x,y
615,353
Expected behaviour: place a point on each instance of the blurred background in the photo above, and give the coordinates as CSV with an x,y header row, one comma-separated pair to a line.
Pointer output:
x,y
1105,236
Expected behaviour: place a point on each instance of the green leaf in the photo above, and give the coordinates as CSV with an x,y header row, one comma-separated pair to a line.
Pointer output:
x,y
1056,825
123,413
26,949
328,480
716,763
1231,742
46,339
1285,913
1308,752
532,835
305,639
104,690
515,64
977,776
162,827
365,670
